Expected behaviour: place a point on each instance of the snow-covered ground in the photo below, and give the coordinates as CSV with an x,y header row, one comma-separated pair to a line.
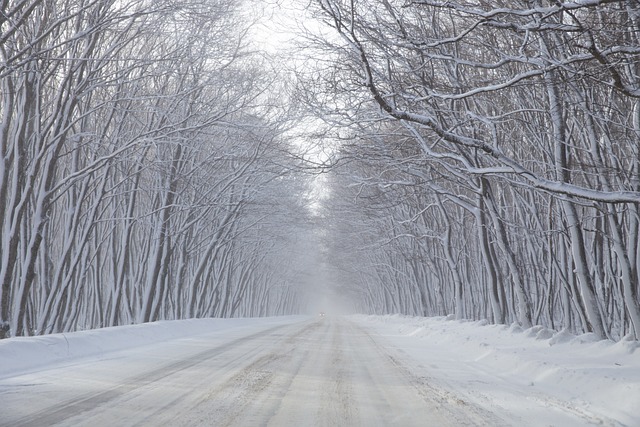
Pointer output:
x,y
22,355
358,370
534,376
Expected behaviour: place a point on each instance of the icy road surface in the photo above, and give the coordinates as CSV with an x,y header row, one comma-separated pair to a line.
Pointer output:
x,y
277,372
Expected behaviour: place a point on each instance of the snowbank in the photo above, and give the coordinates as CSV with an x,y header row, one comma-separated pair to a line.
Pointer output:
x,y
25,354
599,380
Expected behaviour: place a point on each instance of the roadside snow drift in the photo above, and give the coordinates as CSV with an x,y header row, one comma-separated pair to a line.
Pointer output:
x,y
26,354
598,381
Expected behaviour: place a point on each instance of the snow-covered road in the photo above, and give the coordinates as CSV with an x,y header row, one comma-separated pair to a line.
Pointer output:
x,y
315,372
291,371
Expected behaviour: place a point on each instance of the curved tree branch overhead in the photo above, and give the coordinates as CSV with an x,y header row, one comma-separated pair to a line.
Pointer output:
x,y
451,69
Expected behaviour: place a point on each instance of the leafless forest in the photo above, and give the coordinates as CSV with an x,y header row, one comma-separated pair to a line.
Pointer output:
x,y
481,159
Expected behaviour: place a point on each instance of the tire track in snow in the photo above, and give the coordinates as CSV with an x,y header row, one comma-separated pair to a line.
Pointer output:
x,y
337,405
255,392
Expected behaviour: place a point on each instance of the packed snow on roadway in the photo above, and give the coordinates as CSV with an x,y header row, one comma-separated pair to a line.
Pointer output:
x,y
502,368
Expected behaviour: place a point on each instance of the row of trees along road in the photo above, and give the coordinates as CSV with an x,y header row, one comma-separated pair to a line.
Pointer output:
x,y
487,162
141,155
488,157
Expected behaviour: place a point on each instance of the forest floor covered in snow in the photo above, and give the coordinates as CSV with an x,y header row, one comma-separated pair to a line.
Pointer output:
x,y
471,373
